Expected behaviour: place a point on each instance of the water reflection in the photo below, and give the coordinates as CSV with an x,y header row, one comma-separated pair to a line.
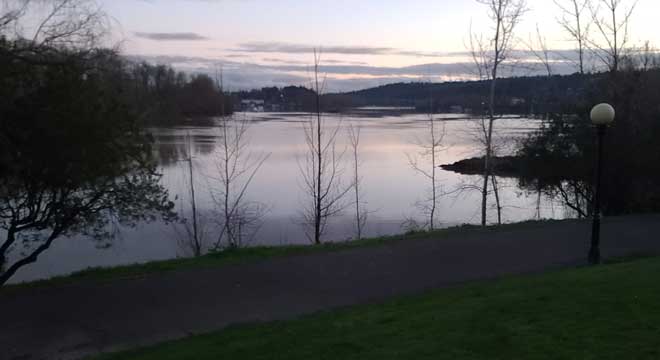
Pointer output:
x,y
391,188
171,145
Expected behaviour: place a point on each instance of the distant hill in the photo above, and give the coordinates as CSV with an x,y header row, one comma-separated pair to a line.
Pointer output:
x,y
536,94
518,95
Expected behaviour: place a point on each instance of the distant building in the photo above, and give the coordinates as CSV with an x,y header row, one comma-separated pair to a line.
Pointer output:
x,y
273,107
517,101
252,105
456,109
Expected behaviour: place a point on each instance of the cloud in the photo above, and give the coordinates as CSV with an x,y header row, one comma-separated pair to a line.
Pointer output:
x,y
306,63
284,61
421,71
292,48
177,36
332,61
340,76
288,48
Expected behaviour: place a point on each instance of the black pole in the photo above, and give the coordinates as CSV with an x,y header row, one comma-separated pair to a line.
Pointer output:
x,y
594,252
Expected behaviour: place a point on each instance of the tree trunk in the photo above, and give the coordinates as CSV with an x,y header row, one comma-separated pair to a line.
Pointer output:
x,y
356,180
196,244
319,154
228,212
496,191
32,258
433,172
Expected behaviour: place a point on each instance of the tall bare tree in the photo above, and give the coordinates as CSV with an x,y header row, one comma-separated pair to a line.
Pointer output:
x,y
426,163
488,56
196,241
321,169
361,213
236,168
191,233
611,19
572,20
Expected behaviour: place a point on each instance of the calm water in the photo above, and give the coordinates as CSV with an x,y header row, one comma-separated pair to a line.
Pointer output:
x,y
391,187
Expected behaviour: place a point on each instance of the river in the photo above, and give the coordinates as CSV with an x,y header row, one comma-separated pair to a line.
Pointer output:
x,y
391,188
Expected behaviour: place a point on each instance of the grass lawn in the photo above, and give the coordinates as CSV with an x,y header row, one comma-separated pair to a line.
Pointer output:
x,y
248,254
606,312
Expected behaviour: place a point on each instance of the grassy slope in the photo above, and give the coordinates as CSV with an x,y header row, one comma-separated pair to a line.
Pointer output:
x,y
242,255
607,312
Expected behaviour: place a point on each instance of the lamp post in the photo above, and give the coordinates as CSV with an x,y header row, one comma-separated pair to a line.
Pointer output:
x,y
602,115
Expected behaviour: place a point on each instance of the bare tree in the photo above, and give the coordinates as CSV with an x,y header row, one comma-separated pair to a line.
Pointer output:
x,y
505,15
479,134
321,169
611,19
647,57
573,22
361,213
60,24
191,233
191,243
538,46
10,13
236,169
426,164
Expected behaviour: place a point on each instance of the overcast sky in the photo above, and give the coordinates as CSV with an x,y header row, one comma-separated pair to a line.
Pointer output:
x,y
364,42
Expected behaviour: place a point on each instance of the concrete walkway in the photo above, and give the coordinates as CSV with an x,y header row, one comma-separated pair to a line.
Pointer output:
x,y
73,321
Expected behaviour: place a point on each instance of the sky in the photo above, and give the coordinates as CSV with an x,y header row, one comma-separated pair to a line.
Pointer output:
x,y
363,43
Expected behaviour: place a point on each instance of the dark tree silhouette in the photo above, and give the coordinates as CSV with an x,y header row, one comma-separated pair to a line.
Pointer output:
x,y
74,160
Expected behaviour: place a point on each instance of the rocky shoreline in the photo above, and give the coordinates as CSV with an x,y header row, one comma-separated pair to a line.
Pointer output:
x,y
504,166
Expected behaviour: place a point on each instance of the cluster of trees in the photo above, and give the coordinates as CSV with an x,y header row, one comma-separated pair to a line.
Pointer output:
x,y
295,98
567,141
288,98
632,173
559,159
598,28
74,158
166,97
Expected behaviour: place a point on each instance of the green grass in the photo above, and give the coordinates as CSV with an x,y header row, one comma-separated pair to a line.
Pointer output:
x,y
245,255
606,312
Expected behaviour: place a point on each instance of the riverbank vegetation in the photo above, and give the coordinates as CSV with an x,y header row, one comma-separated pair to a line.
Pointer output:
x,y
165,97
557,160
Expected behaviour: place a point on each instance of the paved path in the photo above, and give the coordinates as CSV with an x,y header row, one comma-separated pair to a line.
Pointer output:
x,y
72,321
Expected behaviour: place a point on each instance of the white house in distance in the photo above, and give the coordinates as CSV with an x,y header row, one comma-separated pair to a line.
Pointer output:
x,y
252,105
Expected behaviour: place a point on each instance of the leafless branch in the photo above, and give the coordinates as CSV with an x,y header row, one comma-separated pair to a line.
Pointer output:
x,y
611,19
575,25
321,171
